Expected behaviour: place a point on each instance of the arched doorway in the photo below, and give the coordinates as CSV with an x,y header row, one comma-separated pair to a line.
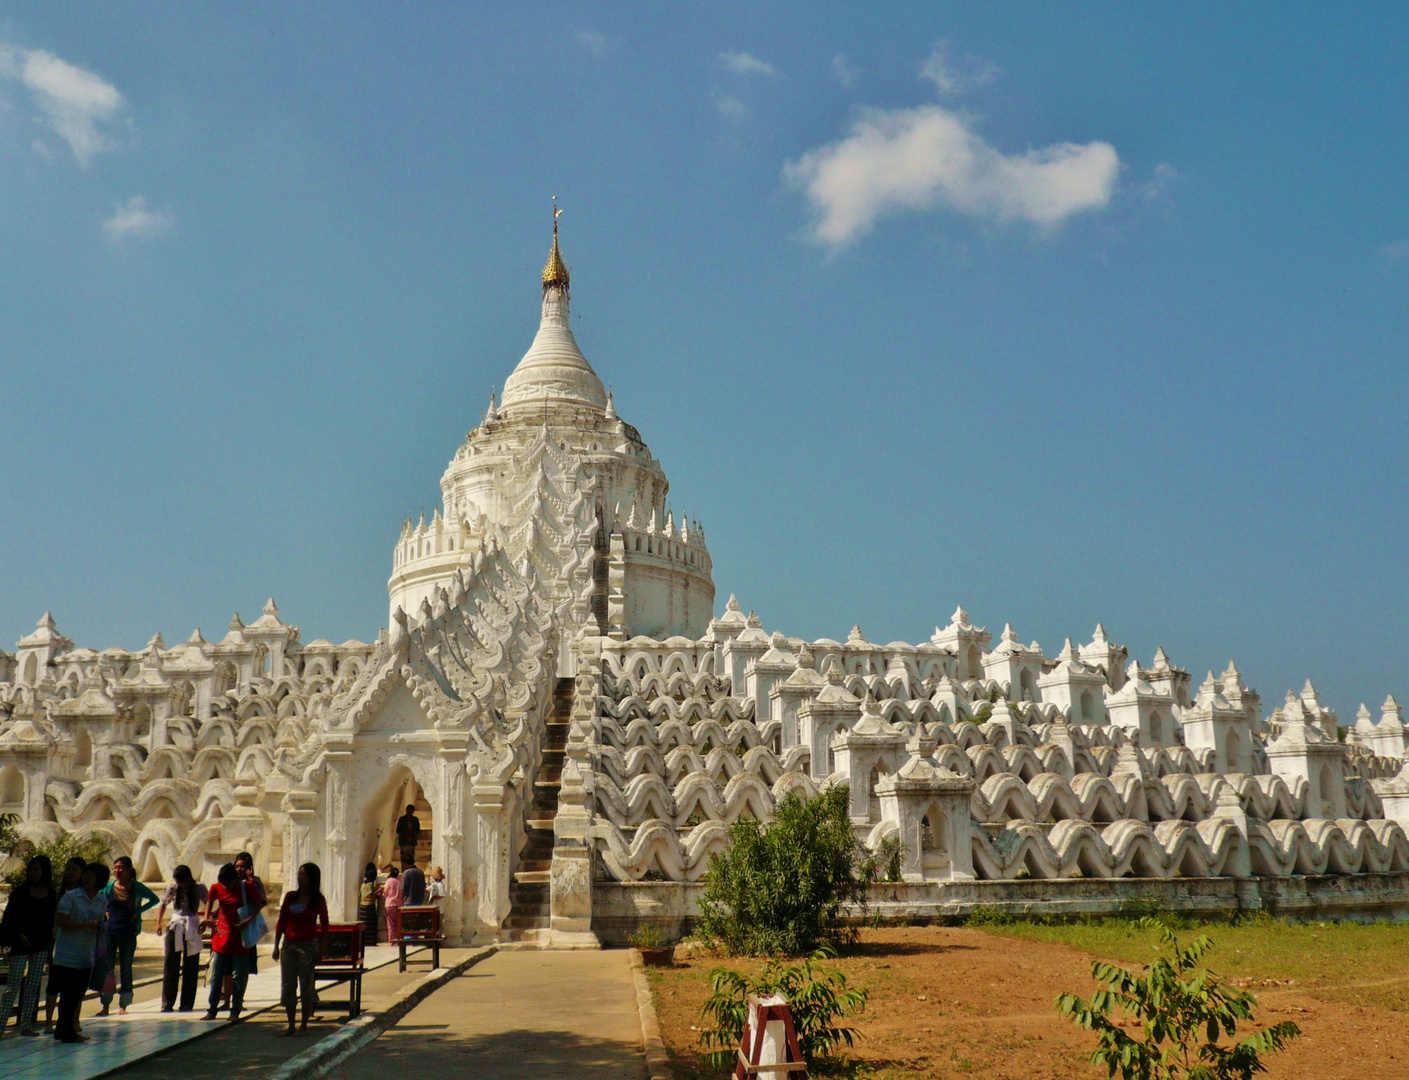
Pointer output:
x,y
383,811
1028,683
1233,751
11,791
975,662
934,844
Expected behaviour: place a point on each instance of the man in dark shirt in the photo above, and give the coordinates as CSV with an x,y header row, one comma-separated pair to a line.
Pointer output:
x,y
408,834
413,885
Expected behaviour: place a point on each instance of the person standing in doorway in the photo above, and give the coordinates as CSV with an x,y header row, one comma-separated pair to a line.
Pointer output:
x,y
28,930
391,897
82,912
127,899
230,955
303,920
181,944
408,835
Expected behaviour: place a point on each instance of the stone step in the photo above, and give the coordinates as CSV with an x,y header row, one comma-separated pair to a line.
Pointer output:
x,y
527,922
543,818
526,876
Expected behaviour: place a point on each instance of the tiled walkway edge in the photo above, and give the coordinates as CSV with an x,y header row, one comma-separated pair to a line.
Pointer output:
x,y
327,1054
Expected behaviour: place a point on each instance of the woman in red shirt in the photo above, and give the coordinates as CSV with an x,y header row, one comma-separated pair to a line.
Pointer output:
x,y
303,919
230,955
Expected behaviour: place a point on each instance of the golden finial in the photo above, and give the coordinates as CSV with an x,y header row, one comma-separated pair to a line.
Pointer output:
x,y
555,271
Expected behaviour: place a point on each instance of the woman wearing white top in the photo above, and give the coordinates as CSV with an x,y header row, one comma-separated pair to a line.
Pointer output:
x,y
435,887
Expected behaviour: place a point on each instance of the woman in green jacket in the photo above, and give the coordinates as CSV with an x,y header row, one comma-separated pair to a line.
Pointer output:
x,y
127,899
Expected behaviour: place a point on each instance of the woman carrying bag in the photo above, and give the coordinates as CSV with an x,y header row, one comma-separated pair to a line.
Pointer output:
x,y
231,955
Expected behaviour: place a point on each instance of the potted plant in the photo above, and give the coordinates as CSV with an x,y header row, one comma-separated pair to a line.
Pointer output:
x,y
655,952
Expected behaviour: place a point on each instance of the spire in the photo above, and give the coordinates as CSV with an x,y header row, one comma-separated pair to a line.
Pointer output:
x,y
555,271
554,370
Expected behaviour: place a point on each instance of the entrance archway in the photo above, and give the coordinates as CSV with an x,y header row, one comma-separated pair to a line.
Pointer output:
x,y
382,811
934,843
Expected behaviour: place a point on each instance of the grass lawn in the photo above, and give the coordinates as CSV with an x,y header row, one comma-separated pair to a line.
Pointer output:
x,y
1355,963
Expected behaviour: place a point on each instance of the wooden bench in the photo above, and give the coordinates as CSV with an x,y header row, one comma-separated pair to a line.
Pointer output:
x,y
340,961
418,927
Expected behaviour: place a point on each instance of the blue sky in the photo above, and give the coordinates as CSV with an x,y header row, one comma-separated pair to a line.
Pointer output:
x,y
1064,316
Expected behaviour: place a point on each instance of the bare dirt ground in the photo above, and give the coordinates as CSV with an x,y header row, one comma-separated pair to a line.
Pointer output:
x,y
950,1002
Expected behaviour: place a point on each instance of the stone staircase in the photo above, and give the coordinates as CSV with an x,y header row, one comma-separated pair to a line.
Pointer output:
x,y
528,919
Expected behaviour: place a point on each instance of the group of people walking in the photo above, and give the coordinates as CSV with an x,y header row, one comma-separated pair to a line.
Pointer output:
x,y
83,934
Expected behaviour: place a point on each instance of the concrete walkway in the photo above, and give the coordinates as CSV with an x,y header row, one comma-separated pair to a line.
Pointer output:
x,y
185,1044
518,1014
256,1047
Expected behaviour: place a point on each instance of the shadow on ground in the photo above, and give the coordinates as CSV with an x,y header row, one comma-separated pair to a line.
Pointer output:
x,y
507,1053
905,948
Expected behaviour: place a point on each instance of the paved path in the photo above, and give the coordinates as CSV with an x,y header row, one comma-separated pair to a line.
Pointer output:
x,y
116,1041
515,1015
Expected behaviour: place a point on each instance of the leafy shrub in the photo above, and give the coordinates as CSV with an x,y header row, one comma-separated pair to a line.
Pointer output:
x,y
988,915
93,848
779,888
818,998
647,936
886,864
1182,1012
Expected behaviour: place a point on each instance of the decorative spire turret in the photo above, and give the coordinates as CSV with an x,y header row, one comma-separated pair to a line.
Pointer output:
x,y
555,271
553,371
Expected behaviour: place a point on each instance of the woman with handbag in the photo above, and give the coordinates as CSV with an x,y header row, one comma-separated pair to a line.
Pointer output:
x,y
230,954
254,897
181,945
303,920
258,896
127,899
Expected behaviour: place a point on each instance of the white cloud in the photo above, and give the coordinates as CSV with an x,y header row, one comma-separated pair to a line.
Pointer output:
x,y
75,102
1162,178
928,157
844,72
953,77
137,221
596,42
730,107
742,63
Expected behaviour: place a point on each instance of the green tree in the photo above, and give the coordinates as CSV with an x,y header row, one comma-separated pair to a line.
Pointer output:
x,y
817,998
91,848
1183,1013
779,888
